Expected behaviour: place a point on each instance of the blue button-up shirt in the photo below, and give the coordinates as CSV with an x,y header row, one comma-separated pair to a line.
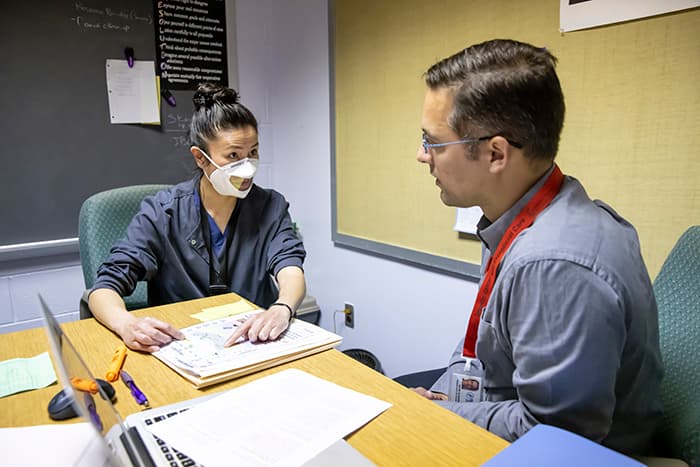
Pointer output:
x,y
569,336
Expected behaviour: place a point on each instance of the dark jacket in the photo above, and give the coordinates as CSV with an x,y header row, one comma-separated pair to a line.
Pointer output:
x,y
164,245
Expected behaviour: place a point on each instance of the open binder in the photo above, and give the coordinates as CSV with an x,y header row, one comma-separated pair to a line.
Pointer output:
x,y
202,359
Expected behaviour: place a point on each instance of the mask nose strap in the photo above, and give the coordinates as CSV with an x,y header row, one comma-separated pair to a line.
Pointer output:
x,y
217,165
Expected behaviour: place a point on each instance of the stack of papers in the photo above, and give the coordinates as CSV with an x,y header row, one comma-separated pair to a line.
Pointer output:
x,y
284,419
202,358
58,445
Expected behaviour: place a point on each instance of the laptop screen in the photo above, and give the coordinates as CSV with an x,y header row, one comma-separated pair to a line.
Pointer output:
x,y
95,408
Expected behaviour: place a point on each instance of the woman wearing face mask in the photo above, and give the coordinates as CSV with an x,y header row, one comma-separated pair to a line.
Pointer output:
x,y
214,234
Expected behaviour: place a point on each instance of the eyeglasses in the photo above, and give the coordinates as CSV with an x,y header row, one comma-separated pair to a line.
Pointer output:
x,y
427,146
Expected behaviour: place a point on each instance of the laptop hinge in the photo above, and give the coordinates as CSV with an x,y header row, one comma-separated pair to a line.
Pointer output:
x,y
141,457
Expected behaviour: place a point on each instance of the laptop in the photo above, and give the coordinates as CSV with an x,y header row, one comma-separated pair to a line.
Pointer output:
x,y
128,442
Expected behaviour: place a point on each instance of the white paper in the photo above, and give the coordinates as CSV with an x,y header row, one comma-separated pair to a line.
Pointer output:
x,y
132,92
467,219
202,352
284,419
584,14
68,444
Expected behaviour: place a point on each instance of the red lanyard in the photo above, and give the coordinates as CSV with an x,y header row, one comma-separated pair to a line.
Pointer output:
x,y
522,221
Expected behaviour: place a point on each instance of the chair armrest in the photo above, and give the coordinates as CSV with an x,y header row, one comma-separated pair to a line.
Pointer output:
x,y
660,461
84,308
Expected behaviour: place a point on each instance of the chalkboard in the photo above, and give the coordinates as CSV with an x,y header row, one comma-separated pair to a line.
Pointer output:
x,y
58,144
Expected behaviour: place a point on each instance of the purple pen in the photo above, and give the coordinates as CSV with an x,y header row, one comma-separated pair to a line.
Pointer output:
x,y
169,98
135,391
92,410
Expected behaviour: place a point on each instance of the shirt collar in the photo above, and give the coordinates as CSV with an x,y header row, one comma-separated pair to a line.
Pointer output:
x,y
491,233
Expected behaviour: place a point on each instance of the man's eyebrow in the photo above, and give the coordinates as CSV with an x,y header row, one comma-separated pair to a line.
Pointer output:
x,y
427,134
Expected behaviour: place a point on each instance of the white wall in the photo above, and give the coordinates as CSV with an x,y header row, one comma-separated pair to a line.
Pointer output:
x,y
410,318
58,279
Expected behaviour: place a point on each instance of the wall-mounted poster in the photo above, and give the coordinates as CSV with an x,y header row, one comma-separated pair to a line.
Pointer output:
x,y
190,43
583,14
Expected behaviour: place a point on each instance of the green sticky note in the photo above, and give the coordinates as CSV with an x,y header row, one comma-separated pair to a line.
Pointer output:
x,y
25,374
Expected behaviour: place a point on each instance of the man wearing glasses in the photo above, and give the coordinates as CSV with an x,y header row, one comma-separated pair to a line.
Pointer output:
x,y
564,330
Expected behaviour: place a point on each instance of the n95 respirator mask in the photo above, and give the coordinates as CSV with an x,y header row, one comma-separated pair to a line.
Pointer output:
x,y
227,180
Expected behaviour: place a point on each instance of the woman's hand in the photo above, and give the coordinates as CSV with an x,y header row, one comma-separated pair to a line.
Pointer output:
x,y
147,334
144,334
267,325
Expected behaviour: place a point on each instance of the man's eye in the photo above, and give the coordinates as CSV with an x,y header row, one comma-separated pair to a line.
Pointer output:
x,y
233,155
254,153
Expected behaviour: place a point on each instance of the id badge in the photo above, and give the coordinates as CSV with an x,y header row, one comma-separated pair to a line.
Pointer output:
x,y
467,386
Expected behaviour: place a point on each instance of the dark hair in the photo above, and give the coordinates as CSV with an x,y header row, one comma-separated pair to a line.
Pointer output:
x,y
504,87
217,108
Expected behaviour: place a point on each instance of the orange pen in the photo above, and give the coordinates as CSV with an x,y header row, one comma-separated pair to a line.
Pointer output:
x,y
116,364
85,385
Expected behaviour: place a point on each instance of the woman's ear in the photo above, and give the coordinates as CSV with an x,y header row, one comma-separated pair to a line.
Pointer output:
x,y
199,157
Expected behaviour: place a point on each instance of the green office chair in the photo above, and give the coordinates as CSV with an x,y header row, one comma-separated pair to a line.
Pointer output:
x,y
677,290
103,220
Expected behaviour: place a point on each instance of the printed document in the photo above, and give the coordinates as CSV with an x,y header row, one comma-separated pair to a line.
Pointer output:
x,y
132,93
284,419
202,358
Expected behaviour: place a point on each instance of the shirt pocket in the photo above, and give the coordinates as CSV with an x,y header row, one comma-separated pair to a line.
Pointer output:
x,y
492,349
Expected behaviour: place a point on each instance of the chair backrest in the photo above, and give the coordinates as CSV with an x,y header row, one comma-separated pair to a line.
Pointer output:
x,y
103,220
677,290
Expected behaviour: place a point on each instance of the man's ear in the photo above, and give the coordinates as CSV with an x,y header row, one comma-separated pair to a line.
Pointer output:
x,y
499,154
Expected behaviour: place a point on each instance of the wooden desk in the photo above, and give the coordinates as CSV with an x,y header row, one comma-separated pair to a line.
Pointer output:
x,y
414,431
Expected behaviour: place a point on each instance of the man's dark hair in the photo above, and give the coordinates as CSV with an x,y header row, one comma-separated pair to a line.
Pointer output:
x,y
504,87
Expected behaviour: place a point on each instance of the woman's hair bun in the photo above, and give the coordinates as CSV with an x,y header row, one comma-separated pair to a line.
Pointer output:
x,y
208,94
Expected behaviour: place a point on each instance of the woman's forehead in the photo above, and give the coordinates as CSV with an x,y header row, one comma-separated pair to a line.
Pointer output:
x,y
236,137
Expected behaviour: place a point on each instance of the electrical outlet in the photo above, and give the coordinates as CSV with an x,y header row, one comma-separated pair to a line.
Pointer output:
x,y
350,317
